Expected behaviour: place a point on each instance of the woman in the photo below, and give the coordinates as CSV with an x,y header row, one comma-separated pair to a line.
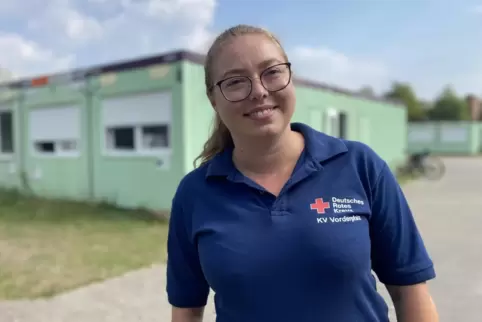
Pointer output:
x,y
285,223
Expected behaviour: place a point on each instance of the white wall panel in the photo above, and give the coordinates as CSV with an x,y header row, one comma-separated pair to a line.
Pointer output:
x,y
58,123
145,109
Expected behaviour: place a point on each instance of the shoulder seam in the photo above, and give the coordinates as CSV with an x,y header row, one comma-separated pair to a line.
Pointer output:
x,y
379,176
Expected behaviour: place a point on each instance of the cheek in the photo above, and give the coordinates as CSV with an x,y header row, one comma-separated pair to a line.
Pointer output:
x,y
227,111
286,98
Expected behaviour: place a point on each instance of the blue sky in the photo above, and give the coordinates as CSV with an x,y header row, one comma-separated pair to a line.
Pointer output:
x,y
349,43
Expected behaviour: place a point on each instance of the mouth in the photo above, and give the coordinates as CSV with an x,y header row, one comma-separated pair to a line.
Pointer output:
x,y
261,112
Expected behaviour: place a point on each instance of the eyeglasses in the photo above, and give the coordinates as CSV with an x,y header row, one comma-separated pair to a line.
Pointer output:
x,y
273,79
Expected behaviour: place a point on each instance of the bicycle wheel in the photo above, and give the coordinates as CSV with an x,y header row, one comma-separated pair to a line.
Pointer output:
x,y
433,168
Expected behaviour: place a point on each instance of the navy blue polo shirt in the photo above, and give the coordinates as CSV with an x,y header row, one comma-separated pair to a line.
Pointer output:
x,y
306,255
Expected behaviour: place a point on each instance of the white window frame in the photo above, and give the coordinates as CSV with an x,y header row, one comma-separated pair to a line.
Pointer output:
x,y
8,155
332,122
138,150
59,151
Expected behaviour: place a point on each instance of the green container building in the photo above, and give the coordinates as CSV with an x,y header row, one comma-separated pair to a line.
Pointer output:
x,y
462,138
126,133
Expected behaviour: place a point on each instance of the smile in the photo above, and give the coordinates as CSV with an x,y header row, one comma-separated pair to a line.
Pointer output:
x,y
261,113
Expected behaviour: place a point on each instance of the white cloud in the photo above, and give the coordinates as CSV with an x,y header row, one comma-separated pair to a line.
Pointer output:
x,y
61,18
19,57
477,9
332,67
98,31
159,25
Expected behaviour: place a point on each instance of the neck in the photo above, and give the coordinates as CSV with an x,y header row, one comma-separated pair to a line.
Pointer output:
x,y
267,155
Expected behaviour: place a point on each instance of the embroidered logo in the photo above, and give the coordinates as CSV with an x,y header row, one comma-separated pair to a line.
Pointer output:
x,y
320,206
342,210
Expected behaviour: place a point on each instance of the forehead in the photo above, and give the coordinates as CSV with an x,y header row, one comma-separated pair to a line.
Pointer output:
x,y
247,53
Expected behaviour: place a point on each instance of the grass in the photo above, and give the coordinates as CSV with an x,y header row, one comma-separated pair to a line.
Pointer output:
x,y
47,247
403,179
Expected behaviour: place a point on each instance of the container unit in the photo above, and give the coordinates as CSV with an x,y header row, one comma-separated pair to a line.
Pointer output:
x,y
137,140
379,123
126,133
54,158
446,138
10,143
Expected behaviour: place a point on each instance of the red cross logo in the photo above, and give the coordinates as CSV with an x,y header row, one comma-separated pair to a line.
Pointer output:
x,y
320,206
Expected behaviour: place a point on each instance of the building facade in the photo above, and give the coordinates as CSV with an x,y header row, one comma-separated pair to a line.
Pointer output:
x,y
126,133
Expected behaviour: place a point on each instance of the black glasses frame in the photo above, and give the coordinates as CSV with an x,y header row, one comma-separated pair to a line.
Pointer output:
x,y
218,84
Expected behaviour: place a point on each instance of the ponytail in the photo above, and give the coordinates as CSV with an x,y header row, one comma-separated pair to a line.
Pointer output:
x,y
219,139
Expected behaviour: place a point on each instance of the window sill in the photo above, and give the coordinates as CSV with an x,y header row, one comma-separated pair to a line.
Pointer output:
x,y
138,153
73,155
7,157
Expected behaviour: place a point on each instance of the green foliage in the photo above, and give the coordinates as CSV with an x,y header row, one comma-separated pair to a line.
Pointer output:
x,y
404,93
449,107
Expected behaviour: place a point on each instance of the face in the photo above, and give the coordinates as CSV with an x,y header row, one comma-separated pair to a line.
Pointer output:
x,y
256,108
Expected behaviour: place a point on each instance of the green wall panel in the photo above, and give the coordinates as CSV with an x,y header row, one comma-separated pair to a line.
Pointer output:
x,y
198,113
150,180
446,138
137,181
380,125
55,176
10,164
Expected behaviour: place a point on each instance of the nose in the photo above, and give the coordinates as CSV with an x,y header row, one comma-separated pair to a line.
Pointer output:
x,y
257,91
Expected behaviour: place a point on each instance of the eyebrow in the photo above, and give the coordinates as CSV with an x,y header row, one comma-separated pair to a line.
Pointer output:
x,y
264,64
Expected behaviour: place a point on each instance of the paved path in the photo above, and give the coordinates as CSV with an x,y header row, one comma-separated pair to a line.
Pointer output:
x,y
449,213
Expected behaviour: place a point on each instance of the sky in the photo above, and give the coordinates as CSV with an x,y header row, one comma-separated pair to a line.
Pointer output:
x,y
347,43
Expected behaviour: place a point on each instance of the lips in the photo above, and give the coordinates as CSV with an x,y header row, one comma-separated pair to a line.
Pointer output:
x,y
261,113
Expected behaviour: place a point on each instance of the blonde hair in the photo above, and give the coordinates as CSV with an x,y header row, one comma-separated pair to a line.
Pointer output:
x,y
220,137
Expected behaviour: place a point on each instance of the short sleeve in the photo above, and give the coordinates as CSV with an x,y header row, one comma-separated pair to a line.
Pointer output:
x,y
399,256
186,285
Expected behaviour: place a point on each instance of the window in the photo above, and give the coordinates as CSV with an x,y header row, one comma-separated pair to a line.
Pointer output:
x,y
45,147
60,147
121,138
421,133
6,132
336,123
331,119
137,124
454,133
155,136
55,131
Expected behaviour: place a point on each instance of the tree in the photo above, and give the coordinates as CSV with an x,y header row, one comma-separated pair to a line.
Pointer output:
x,y
404,93
367,91
449,107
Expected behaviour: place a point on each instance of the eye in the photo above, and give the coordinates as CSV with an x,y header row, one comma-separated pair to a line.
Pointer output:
x,y
274,71
233,82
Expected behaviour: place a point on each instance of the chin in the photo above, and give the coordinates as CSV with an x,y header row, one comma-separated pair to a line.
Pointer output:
x,y
269,126
269,129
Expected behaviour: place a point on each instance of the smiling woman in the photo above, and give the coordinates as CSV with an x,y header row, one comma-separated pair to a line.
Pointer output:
x,y
283,222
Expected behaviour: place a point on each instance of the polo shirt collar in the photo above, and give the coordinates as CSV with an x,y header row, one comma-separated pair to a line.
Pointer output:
x,y
319,148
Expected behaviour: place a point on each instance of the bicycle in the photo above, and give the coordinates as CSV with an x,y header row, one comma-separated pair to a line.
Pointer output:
x,y
424,164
